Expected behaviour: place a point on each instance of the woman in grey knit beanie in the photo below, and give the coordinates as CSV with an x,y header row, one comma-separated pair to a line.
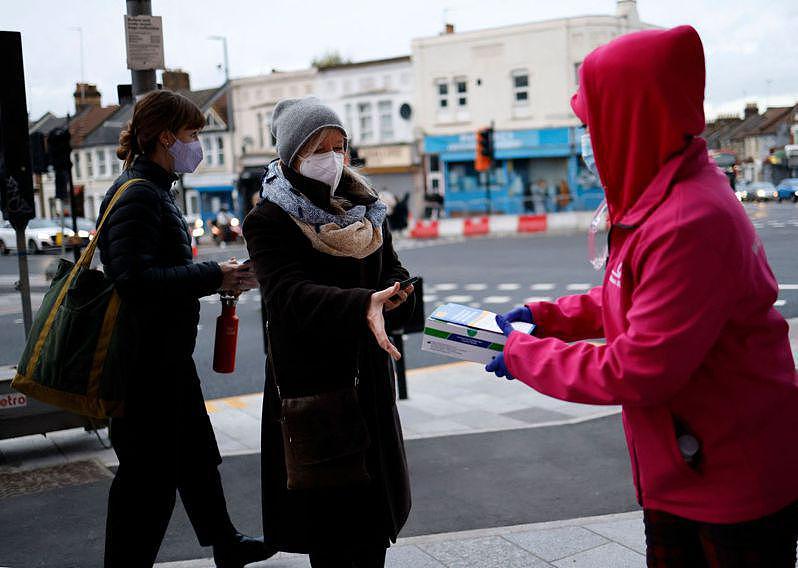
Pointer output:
x,y
335,480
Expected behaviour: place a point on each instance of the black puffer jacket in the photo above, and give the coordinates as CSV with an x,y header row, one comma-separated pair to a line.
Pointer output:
x,y
146,247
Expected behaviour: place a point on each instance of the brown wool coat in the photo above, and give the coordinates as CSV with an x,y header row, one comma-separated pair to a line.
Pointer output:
x,y
316,307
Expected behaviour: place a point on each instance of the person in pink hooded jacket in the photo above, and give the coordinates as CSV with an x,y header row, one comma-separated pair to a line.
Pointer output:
x,y
695,352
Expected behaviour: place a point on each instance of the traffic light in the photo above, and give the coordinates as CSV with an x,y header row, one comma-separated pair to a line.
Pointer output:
x,y
486,142
60,149
40,161
485,149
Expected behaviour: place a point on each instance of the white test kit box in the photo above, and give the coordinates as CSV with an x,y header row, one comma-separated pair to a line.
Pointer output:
x,y
466,333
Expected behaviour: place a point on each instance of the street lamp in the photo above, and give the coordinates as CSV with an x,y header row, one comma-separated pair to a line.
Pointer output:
x,y
223,39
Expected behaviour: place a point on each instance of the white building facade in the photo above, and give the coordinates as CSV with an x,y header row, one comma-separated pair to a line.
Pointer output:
x,y
519,79
253,100
375,101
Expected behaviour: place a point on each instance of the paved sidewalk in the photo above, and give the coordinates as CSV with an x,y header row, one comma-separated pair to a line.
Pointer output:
x,y
457,398
609,541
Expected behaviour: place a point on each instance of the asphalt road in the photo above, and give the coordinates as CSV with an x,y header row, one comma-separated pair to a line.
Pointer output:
x,y
496,273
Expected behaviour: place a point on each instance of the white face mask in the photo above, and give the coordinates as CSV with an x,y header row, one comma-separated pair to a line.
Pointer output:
x,y
326,168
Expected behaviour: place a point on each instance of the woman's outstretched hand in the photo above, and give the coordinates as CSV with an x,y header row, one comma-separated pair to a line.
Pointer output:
x,y
379,301
399,299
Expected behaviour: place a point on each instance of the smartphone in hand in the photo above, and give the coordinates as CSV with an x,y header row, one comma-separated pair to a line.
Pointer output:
x,y
404,284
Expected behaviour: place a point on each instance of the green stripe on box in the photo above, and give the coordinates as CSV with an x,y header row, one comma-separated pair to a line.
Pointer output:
x,y
496,347
436,332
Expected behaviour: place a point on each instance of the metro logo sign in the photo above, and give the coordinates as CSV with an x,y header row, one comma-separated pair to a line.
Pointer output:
x,y
13,400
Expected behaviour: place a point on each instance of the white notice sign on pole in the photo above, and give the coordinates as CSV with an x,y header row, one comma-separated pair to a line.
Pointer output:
x,y
144,40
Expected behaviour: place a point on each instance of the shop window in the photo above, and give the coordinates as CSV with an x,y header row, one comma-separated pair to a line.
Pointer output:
x,y
102,166
206,151
442,89
348,120
366,122
76,160
434,163
219,151
213,150
193,204
520,87
461,88
268,127
385,109
89,212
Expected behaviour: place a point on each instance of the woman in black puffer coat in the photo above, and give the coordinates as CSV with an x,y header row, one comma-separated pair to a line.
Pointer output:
x,y
164,441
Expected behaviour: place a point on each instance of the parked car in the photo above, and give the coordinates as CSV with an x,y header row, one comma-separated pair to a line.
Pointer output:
x,y
40,235
788,190
86,228
762,191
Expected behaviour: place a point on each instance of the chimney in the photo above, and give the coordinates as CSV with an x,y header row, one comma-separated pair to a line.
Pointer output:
x,y
124,93
448,29
86,95
750,110
175,80
627,9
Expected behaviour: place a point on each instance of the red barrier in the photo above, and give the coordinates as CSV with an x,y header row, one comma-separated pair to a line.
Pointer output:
x,y
531,223
425,230
476,226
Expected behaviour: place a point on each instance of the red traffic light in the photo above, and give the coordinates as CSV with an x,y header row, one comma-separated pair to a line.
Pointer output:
x,y
484,150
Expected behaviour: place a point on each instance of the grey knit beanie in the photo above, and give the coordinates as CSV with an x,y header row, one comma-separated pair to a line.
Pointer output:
x,y
294,121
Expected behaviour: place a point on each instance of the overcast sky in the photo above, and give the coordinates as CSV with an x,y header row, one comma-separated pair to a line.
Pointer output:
x,y
751,45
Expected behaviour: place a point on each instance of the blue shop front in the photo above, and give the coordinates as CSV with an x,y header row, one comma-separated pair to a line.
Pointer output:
x,y
208,192
534,171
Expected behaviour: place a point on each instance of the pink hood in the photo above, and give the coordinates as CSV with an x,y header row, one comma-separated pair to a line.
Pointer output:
x,y
642,98
686,307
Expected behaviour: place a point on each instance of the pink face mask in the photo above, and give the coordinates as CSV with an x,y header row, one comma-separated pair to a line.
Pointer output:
x,y
187,155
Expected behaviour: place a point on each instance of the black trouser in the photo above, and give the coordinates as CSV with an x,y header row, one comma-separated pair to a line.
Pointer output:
x,y
366,556
165,443
675,542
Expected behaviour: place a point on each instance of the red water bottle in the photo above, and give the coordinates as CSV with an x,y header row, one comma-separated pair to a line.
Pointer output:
x,y
224,350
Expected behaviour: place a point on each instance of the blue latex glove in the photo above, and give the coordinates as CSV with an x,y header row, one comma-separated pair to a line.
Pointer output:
x,y
499,367
504,321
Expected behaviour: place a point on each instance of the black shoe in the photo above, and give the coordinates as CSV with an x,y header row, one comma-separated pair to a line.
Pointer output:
x,y
240,551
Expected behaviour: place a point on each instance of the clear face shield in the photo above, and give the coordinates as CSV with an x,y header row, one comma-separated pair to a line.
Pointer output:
x,y
598,248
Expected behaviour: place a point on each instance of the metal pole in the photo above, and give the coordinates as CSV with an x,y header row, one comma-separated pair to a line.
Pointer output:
x,y
72,209
24,280
82,66
223,39
401,375
63,236
142,81
226,62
